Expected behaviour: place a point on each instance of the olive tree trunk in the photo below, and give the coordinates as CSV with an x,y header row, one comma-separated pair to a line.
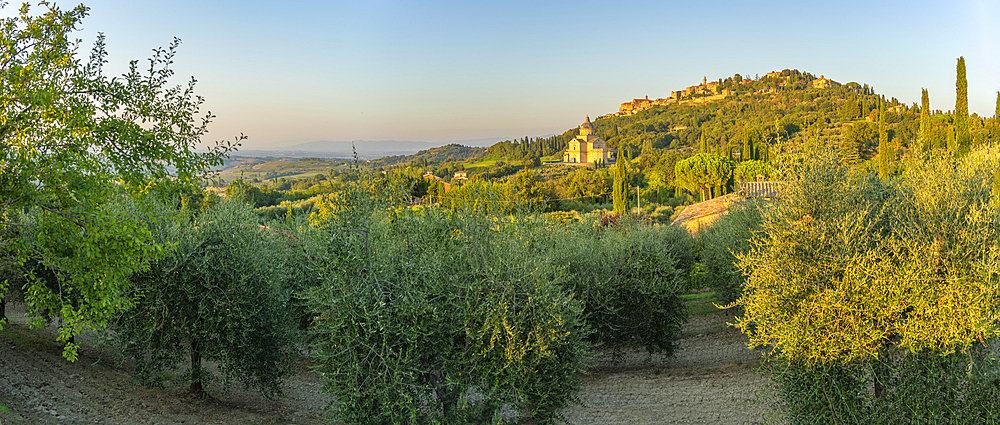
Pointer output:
x,y
196,388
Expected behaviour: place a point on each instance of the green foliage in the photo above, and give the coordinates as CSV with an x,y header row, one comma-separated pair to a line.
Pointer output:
x,y
629,276
620,186
749,170
885,152
996,112
78,273
925,120
962,134
862,138
428,315
701,173
820,394
67,130
899,388
879,297
996,186
848,264
529,191
583,183
752,140
523,193
218,295
438,154
528,148
726,240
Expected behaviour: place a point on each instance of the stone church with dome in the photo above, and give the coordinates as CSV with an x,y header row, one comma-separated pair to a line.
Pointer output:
x,y
588,148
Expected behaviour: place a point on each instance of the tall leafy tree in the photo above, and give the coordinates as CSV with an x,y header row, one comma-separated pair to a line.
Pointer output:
x,y
962,135
582,183
619,189
703,172
66,130
529,192
925,119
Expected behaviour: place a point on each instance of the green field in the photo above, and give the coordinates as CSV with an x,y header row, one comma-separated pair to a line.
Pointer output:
x,y
480,164
265,170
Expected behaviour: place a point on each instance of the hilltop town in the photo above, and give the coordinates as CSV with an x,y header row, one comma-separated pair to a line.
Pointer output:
x,y
710,91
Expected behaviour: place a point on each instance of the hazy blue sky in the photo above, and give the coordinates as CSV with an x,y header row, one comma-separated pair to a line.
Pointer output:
x,y
289,72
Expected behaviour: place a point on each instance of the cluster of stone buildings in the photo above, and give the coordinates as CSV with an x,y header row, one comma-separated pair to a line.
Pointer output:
x,y
589,148
707,90
823,82
639,105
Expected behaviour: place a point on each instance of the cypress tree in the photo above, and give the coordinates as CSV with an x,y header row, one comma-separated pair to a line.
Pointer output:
x,y
619,191
996,185
747,153
883,144
704,143
962,136
995,133
925,119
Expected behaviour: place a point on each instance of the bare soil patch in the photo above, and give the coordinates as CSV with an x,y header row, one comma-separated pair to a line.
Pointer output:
x,y
712,379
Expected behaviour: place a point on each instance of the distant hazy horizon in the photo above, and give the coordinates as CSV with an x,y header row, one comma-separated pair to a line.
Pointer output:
x,y
439,71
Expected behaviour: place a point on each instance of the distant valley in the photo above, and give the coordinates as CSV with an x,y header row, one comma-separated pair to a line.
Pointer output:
x,y
366,149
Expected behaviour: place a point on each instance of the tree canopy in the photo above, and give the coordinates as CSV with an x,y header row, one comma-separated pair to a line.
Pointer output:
x,y
217,295
66,131
702,172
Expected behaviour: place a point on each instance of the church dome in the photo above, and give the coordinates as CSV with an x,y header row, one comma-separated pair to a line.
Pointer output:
x,y
586,128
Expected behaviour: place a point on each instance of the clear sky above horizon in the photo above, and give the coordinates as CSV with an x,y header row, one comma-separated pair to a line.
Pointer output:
x,y
291,72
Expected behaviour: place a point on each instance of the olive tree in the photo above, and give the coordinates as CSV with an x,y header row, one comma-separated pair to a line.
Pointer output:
x,y
629,277
216,295
861,283
438,316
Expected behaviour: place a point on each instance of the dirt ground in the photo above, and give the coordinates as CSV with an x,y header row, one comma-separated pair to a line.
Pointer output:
x,y
712,379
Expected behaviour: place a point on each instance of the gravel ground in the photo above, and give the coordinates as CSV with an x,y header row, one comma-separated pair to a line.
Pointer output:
x,y
712,379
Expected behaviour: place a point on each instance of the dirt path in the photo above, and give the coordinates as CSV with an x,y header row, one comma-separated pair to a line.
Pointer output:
x,y
40,387
711,380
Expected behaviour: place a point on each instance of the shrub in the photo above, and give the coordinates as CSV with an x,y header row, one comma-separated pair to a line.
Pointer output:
x,y
723,242
629,277
434,316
